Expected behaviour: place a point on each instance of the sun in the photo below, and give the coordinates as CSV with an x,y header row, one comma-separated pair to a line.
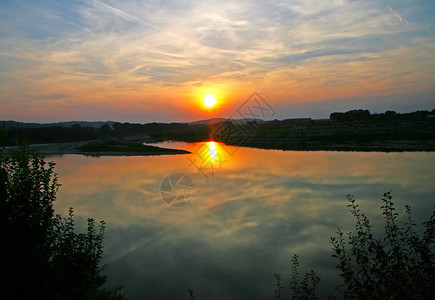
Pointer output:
x,y
209,101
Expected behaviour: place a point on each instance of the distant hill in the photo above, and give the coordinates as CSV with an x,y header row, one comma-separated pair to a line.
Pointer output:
x,y
219,120
93,124
208,121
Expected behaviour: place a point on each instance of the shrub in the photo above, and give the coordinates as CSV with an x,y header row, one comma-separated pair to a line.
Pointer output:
x,y
399,265
41,254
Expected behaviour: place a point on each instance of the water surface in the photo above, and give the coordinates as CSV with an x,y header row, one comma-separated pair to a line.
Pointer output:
x,y
251,211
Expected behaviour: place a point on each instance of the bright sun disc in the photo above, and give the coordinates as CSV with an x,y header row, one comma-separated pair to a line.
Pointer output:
x,y
209,101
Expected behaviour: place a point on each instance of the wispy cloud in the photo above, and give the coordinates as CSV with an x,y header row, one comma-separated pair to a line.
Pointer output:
x,y
94,52
396,14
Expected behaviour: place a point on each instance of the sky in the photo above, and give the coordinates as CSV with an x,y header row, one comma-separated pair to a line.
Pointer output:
x,y
146,61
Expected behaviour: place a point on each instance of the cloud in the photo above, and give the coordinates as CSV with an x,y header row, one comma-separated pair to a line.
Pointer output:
x,y
396,14
95,51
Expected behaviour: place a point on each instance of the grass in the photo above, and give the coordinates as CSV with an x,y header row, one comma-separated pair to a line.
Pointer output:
x,y
122,145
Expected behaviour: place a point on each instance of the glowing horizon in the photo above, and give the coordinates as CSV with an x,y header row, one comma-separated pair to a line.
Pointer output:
x,y
145,61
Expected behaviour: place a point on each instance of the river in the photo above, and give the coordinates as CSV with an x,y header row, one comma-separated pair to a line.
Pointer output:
x,y
236,216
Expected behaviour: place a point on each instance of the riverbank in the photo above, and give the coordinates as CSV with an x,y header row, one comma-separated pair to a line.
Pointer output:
x,y
111,147
392,136
253,141
313,145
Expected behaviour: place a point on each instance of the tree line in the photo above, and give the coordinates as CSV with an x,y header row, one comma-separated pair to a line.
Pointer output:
x,y
356,115
10,131
76,132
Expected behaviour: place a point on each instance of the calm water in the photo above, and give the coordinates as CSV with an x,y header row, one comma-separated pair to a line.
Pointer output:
x,y
250,212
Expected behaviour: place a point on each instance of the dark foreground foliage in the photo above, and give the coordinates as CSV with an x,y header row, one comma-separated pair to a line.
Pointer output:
x,y
42,257
398,265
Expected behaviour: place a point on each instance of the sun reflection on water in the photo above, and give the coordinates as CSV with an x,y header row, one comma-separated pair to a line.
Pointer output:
x,y
212,151
256,197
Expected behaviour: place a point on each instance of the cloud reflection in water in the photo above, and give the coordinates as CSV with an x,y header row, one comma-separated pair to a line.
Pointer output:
x,y
256,211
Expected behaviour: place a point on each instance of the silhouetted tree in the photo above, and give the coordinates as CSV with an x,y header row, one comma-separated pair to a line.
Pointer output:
x,y
51,134
390,115
337,116
41,255
351,115
3,136
104,129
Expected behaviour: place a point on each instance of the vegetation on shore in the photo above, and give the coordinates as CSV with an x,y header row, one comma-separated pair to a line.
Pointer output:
x,y
52,133
398,265
356,131
42,256
352,130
